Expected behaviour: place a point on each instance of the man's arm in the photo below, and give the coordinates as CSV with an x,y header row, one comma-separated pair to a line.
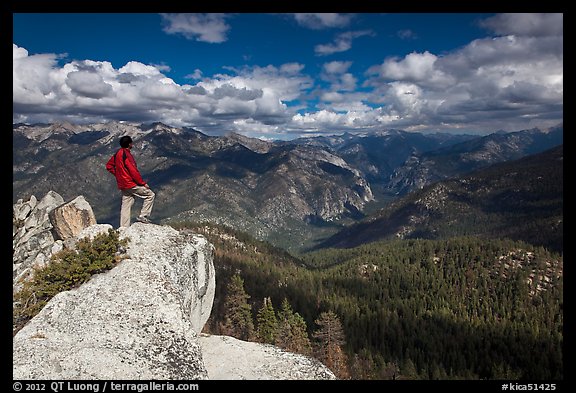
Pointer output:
x,y
111,165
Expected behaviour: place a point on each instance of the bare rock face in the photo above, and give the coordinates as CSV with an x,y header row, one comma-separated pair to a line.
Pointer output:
x,y
35,228
32,240
139,320
229,358
72,217
185,260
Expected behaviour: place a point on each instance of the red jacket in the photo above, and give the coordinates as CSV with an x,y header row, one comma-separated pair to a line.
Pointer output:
x,y
123,166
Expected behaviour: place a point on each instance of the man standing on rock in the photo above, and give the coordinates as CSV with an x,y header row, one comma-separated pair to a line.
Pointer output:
x,y
130,183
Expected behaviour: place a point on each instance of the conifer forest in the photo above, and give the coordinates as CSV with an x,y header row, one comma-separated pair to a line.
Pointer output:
x,y
458,308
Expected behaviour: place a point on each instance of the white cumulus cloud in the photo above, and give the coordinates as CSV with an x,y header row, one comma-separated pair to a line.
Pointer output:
x,y
44,91
342,42
210,28
510,80
514,77
88,84
322,20
525,24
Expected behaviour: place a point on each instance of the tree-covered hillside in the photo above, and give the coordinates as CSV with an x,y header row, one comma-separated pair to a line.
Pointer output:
x,y
461,308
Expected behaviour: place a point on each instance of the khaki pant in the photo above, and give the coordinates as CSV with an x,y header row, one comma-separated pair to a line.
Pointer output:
x,y
128,197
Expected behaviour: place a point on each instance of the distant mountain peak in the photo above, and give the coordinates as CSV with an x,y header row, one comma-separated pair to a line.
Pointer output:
x,y
157,126
254,144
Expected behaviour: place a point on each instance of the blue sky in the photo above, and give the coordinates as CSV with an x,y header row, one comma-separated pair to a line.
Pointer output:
x,y
281,76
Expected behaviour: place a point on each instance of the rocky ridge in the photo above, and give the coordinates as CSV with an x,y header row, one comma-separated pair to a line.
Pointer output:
x,y
139,320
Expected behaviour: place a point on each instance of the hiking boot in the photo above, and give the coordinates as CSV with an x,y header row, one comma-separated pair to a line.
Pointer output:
x,y
144,220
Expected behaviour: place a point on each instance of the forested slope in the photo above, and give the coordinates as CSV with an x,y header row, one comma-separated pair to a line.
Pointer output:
x,y
415,309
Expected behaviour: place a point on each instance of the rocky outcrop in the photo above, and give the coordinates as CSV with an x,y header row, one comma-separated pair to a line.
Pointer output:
x,y
70,218
32,239
229,358
185,261
137,321
39,228
141,319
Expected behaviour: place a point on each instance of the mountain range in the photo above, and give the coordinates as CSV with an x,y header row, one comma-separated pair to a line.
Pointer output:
x,y
290,193
519,199
441,254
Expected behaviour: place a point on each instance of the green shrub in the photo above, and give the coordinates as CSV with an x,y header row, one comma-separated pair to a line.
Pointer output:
x,y
67,269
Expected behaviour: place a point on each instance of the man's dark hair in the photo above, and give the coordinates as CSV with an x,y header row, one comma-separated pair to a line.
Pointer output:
x,y
125,141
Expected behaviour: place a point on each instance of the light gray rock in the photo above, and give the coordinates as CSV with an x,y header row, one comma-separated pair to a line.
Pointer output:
x,y
137,321
229,358
22,209
141,319
90,233
185,259
33,242
32,238
39,214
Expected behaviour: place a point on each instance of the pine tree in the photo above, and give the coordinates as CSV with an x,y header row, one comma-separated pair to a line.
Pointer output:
x,y
300,343
267,323
408,370
292,331
331,339
237,311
